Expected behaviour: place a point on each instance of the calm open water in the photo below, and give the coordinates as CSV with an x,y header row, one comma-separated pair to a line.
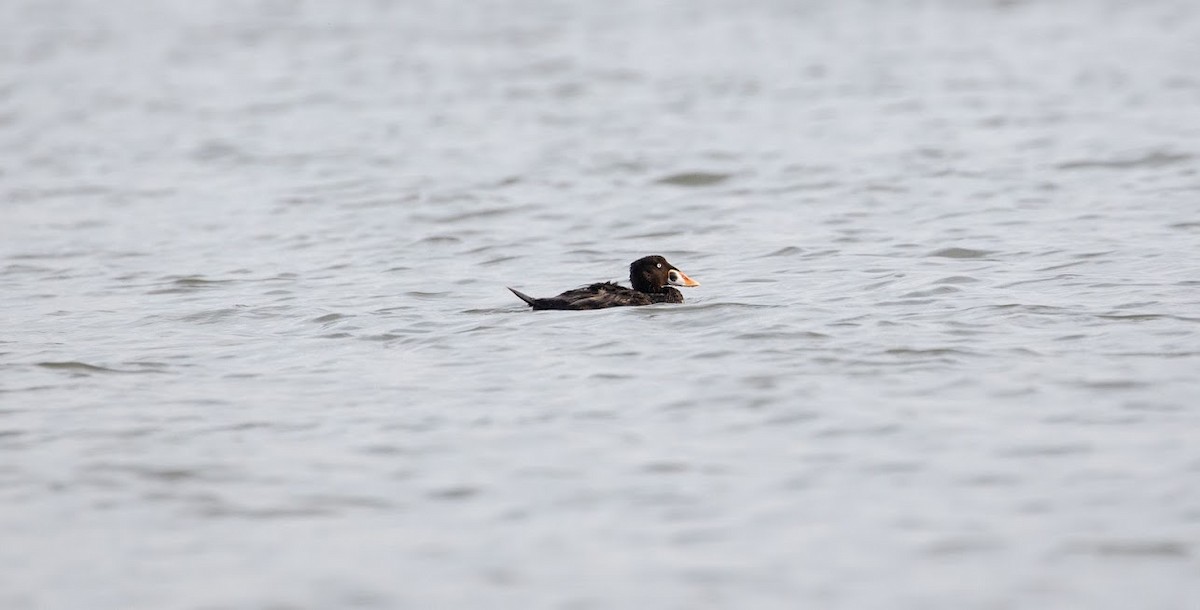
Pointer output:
x,y
256,349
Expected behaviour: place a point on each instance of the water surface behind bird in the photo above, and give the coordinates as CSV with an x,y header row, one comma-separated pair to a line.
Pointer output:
x,y
257,349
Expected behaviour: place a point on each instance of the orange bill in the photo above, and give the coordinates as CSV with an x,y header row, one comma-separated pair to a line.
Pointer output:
x,y
684,280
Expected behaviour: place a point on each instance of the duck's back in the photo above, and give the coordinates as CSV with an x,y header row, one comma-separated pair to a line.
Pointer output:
x,y
596,296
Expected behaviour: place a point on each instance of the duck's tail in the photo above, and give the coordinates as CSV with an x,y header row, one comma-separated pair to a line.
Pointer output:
x,y
524,297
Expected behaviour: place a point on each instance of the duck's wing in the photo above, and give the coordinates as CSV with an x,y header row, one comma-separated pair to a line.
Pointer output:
x,y
600,296
595,296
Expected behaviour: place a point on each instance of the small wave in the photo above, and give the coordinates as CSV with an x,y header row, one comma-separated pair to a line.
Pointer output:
x,y
495,310
960,253
933,351
218,150
16,268
454,494
193,280
1142,317
789,335
26,256
1046,450
1155,158
384,336
438,239
1164,549
1114,384
483,213
787,251
904,302
497,260
189,283
694,179
83,368
962,546
610,376
212,316
330,317
804,186
957,279
940,290
656,235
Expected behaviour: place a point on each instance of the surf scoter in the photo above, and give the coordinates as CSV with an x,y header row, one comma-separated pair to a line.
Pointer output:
x,y
651,278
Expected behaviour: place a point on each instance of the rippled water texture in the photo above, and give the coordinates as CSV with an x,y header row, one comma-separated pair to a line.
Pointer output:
x,y
257,352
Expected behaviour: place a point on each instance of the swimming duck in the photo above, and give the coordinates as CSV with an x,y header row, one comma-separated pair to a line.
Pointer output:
x,y
651,278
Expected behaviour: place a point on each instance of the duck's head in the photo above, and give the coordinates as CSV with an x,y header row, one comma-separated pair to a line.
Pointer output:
x,y
654,274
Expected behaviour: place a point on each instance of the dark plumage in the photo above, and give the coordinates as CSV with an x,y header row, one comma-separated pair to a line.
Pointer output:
x,y
651,278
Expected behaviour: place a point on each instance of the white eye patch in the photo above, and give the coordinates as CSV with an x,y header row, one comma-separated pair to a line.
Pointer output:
x,y
659,265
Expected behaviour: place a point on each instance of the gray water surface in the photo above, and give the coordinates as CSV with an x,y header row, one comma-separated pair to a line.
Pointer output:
x,y
256,349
